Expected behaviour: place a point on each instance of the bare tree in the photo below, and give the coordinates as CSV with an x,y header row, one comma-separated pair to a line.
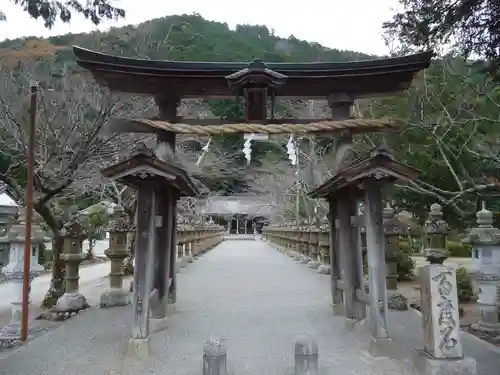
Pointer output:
x,y
450,134
287,185
70,147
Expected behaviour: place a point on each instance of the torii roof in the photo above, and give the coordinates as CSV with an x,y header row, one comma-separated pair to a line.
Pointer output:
x,y
380,165
189,79
144,167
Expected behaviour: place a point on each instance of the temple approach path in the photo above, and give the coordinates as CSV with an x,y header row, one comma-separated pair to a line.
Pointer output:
x,y
243,291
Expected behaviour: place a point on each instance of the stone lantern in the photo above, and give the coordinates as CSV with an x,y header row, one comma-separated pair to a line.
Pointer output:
x,y
306,233
314,246
119,227
485,240
72,301
324,247
8,211
436,230
14,270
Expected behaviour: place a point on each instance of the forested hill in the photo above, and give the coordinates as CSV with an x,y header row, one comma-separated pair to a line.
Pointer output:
x,y
450,113
184,37
180,37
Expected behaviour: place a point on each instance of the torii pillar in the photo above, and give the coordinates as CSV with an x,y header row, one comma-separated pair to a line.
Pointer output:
x,y
155,249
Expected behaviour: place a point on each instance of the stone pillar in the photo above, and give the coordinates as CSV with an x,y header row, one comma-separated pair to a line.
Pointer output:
x,y
392,231
72,301
189,243
297,240
314,248
443,353
14,270
119,228
246,224
181,246
324,249
196,243
306,232
214,358
306,357
485,240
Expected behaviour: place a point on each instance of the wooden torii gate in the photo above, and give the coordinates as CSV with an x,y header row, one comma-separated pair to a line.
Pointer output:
x,y
364,181
258,84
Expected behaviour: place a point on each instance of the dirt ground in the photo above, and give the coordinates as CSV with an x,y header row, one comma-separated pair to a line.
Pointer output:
x,y
411,290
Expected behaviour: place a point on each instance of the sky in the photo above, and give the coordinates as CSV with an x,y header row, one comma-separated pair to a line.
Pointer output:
x,y
341,24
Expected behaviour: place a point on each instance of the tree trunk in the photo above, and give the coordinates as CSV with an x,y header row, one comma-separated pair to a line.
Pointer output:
x,y
90,250
56,288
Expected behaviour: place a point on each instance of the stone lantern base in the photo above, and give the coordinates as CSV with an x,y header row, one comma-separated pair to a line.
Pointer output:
x,y
115,297
71,303
324,269
314,264
396,301
490,332
426,365
304,259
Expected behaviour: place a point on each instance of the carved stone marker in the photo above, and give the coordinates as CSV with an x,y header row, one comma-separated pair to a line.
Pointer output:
x,y
440,311
443,353
306,357
214,358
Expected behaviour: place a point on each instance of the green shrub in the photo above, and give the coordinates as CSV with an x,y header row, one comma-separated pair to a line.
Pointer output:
x,y
128,269
406,266
458,249
417,244
464,285
404,246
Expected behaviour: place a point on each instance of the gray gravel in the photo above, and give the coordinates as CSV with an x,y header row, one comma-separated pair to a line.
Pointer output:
x,y
245,292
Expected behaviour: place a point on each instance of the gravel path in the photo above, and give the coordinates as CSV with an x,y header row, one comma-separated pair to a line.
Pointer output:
x,y
256,298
